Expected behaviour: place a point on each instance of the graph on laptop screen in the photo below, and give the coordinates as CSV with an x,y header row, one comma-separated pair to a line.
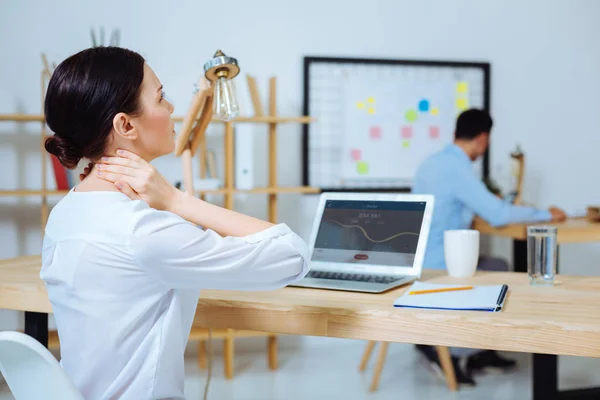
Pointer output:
x,y
369,232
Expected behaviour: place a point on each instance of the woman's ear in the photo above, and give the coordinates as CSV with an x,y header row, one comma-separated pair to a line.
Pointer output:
x,y
123,126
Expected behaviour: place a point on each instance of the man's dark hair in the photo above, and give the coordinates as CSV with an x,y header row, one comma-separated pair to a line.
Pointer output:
x,y
471,123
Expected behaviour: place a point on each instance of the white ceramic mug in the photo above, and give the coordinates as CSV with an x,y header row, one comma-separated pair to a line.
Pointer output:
x,y
461,252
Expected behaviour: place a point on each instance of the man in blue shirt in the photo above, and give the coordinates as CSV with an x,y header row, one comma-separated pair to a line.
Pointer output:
x,y
459,196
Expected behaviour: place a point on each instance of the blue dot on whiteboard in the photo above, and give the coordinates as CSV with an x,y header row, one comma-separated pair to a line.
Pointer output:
x,y
424,105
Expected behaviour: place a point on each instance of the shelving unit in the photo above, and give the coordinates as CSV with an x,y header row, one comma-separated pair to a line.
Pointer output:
x,y
273,190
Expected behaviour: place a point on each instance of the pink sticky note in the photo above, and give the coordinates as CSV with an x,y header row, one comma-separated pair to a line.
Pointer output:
x,y
356,155
375,132
406,132
434,132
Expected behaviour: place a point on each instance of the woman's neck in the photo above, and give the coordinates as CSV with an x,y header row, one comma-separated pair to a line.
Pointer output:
x,y
93,183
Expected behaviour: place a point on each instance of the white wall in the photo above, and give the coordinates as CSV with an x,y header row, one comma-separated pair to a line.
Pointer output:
x,y
545,82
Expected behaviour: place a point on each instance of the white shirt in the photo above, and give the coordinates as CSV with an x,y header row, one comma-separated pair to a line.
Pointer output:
x,y
124,280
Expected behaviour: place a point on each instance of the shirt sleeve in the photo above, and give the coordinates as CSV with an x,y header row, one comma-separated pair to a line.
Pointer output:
x,y
497,212
182,255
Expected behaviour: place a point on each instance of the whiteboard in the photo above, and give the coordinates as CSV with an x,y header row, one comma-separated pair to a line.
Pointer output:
x,y
377,120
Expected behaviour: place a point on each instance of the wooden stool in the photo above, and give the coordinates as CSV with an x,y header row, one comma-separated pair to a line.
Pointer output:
x,y
443,354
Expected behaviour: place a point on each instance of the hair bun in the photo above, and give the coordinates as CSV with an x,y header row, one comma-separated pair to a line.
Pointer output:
x,y
67,153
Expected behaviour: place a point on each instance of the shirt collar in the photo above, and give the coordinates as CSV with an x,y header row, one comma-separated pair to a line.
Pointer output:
x,y
454,149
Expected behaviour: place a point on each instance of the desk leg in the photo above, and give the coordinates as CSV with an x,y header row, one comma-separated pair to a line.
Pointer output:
x,y
545,376
520,255
36,326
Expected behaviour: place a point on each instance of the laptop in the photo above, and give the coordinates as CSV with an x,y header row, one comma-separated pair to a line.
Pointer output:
x,y
368,242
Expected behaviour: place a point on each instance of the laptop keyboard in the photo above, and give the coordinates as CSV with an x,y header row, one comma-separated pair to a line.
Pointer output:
x,y
352,277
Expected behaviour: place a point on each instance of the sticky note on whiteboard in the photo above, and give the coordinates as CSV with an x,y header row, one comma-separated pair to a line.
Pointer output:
x,y
434,132
362,168
406,132
356,154
410,115
462,103
360,105
462,87
375,132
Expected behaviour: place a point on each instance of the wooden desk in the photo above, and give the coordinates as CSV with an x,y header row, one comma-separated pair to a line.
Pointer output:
x,y
561,320
576,230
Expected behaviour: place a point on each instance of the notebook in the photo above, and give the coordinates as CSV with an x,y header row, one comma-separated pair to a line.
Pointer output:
x,y
480,298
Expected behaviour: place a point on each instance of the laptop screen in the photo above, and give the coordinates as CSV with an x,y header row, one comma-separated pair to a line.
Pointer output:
x,y
369,232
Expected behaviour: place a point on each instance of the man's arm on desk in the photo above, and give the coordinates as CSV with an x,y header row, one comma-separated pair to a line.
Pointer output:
x,y
474,194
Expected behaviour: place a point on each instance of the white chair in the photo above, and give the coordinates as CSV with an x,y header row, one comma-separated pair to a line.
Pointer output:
x,y
31,371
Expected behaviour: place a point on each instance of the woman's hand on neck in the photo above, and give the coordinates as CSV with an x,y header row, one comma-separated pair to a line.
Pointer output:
x,y
92,183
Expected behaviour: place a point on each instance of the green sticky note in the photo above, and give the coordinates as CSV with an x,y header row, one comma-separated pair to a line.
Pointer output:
x,y
411,115
362,167
406,143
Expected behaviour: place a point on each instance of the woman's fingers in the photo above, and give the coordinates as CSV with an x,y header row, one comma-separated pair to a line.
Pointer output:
x,y
127,190
136,184
86,171
118,169
129,155
120,161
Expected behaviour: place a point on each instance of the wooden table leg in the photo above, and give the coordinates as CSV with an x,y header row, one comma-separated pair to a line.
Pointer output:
x,y
228,354
202,354
366,355
36,326
447,366
379,366
272,351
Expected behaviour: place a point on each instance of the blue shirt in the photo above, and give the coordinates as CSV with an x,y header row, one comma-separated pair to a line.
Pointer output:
x,y
459,195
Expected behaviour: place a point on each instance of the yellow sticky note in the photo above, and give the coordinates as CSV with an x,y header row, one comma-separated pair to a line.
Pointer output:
x,y
360,105
461,103
371,100
371,110
435,111
462,87
406,143
362,167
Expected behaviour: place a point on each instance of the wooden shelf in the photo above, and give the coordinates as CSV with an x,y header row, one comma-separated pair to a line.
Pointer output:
x,y
212,191
263,119
280,190
28,193
264,190
22,117
259,190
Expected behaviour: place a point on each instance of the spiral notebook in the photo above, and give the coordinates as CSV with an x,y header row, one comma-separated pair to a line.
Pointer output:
x,y
480,298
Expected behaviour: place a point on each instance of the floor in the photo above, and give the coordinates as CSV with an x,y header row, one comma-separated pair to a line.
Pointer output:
x,y
330,372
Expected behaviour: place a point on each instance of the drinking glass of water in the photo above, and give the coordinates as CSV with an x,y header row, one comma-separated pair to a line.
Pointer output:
x,y
542,249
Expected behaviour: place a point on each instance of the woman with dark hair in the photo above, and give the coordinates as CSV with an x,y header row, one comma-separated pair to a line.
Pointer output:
x,y
123,276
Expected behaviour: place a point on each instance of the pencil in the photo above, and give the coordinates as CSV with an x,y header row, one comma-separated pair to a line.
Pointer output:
x,y
440,290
